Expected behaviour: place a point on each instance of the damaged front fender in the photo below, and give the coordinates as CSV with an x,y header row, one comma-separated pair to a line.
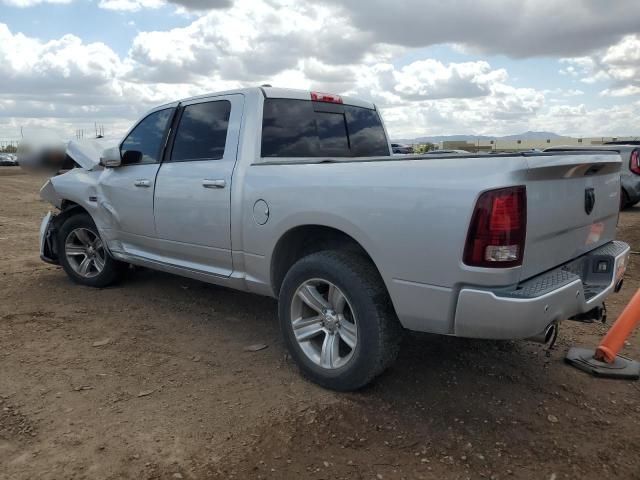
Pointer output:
x,y
48,194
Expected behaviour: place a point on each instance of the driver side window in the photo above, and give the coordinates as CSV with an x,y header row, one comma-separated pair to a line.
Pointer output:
x,y
147,138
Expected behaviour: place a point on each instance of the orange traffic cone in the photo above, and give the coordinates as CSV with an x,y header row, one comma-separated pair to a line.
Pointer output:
x,y
605,361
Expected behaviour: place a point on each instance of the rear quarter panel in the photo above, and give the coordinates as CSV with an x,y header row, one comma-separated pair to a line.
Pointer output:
x,y
411,216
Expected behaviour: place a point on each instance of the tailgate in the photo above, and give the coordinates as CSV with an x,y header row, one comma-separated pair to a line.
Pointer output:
x,y
573,200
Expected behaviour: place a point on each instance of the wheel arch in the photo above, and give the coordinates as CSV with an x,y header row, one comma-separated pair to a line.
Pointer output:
x,y
303,240
69,208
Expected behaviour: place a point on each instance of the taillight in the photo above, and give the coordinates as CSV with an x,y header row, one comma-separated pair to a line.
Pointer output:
x,y
497,230
325,97
634,162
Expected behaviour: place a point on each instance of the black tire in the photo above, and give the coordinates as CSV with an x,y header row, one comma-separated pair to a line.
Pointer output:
x,y
112,270
379,332
624,199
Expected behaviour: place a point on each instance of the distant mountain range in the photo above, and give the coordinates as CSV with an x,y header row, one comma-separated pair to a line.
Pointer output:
x,y
473,138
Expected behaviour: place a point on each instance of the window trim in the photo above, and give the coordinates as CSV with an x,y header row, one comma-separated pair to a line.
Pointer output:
x,y
176,123
163,142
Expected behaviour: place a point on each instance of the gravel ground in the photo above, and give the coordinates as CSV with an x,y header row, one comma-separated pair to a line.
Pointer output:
x,y
150,379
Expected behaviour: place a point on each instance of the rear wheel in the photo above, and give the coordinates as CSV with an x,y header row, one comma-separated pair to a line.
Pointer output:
x,y
337,319
83,255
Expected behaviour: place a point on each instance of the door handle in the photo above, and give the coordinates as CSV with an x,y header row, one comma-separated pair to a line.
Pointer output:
x,y
208,183
142,183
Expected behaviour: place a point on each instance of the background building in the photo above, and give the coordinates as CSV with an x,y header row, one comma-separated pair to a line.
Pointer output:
x,y
511,144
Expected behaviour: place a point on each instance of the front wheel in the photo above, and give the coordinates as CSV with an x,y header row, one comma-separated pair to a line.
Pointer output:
x,y
337,319
83,255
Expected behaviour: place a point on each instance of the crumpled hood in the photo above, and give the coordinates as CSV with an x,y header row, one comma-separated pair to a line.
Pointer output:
x,y
87,153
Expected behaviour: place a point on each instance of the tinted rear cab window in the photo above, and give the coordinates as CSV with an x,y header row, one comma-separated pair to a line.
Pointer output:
x,y
302,128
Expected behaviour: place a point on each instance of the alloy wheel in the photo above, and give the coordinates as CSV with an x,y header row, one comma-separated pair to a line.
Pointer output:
x,y
85,252
324,324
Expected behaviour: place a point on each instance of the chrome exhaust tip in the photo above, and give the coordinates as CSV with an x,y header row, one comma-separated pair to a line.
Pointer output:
x,y
547,336
618,286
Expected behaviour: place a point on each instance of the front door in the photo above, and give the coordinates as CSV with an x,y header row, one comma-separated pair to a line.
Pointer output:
x,y
126,192
193,186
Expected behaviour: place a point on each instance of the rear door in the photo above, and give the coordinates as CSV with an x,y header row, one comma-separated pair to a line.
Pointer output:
x,y
193,186
572,207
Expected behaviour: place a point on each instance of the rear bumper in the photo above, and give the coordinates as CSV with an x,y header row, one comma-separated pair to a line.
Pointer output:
x,y
525,310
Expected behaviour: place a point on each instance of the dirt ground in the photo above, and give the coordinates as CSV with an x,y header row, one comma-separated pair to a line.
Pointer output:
x,y
150,379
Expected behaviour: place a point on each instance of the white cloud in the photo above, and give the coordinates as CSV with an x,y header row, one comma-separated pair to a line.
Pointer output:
x,y
627,91
65,81
618,120
625,53
130,5
621,62
431,79
478,100
63,66
567,111
30,3
518,28
619,65
252,40
78,83
137,5
68,82
558,94
202,4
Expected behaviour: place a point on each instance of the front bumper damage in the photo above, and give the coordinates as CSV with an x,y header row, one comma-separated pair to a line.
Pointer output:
x,y
48,243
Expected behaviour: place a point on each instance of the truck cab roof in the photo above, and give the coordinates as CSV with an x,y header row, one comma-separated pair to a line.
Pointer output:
x,y
275,92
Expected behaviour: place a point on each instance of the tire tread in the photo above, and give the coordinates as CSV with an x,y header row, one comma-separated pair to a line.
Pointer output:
x,y
113,270
389,331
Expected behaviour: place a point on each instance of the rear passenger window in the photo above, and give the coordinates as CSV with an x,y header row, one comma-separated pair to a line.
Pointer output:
x,y
202,132
302,128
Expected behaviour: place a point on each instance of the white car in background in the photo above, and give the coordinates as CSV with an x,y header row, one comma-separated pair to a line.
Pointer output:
x,y
8,160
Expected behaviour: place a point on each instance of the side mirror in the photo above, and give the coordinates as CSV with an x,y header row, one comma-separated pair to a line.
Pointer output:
x,y
131,156
111,158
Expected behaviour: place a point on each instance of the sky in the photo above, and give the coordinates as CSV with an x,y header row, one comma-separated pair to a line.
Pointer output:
x,y
484,67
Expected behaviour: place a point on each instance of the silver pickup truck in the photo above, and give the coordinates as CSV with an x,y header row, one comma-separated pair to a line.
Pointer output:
x,y
296,195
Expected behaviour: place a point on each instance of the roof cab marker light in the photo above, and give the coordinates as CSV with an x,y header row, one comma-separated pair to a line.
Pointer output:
x,y
325,97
